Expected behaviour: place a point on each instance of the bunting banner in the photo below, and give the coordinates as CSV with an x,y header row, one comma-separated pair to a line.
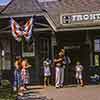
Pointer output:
x,y
16,32
28,29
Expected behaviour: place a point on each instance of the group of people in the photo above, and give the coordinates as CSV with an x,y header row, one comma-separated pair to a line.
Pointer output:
x,y
21,75
60,62
22,78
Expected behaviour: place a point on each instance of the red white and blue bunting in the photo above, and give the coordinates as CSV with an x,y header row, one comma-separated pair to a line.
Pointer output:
x,y
28,29
18,33
15,29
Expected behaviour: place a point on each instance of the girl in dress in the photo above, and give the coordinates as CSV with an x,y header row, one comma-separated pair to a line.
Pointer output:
x,y
24,74
47,73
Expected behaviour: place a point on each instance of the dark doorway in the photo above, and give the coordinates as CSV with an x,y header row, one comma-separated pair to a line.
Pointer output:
x,y
76,53
77,48
73,52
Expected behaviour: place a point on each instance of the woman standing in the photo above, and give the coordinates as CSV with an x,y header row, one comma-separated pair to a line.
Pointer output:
x,y
17,77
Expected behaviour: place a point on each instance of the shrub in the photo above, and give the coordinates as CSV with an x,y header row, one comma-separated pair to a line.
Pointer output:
x,y
5,83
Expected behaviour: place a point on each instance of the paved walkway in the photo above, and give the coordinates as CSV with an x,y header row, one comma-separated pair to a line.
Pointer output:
x,y
74,93
90,92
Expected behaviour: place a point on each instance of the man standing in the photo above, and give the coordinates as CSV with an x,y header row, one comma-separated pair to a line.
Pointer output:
x,y
66,61
58,61
60,64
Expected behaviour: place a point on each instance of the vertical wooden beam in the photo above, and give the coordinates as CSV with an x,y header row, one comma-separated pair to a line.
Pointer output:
x,y
53,44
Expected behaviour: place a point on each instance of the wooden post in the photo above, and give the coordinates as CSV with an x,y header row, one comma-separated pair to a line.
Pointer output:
x,y
53,44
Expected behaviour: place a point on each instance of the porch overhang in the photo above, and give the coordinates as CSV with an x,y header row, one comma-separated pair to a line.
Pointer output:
x,y
37,13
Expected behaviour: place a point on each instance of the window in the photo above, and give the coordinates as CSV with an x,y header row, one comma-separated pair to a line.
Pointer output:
x,y
97,45
97,60
28,48
97,52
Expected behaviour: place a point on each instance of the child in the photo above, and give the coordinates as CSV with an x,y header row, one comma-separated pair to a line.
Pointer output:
x,y
79,76
24,74
47,73
17,77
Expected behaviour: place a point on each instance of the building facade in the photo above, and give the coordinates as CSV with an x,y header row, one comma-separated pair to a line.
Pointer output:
x,y
74,25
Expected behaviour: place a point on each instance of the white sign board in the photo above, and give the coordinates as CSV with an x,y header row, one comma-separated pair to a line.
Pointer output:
x,y
77,18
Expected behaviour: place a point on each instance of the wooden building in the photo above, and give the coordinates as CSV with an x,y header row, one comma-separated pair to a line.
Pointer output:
x,y
73,25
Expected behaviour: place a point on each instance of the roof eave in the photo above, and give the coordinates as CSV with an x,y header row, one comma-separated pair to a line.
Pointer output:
x,y
26,14
6,6
60,29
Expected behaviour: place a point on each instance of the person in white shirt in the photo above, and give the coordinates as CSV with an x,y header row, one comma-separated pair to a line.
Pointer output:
x,y
59,69
47,73
79,71
65,63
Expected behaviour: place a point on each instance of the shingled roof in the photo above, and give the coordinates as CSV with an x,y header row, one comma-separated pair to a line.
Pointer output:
x,y
18,7
52,9
55,9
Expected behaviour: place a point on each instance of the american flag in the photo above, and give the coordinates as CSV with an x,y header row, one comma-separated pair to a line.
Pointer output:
x,y
28,29
16,32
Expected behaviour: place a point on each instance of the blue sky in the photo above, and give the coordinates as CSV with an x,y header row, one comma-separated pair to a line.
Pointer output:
x,y
4,2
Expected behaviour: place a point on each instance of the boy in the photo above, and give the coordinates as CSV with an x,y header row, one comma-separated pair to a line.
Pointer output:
x,y
79,70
